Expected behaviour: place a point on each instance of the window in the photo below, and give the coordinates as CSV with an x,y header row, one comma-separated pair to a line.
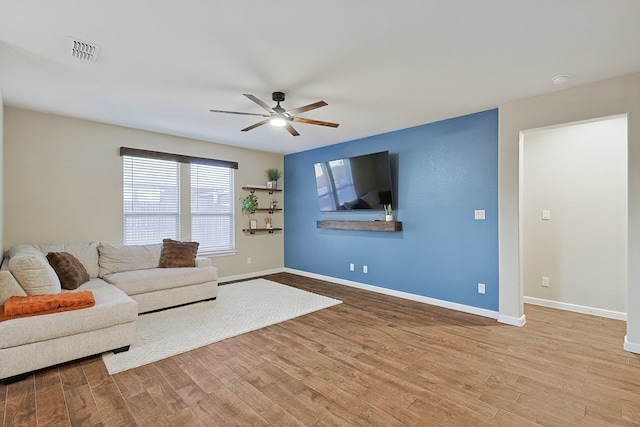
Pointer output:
x,y
151,195
212,207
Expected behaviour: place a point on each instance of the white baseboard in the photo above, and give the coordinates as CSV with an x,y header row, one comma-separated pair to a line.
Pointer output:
x,y
513,321
391,292
248,276
617,315
632,347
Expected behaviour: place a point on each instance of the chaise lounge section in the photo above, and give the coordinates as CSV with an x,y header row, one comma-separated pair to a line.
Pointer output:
x,y
124,280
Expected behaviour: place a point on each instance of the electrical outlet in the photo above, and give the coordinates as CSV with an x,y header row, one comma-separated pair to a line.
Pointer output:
x,y
545,282
248,260
352,267
481,288
478,214
365,269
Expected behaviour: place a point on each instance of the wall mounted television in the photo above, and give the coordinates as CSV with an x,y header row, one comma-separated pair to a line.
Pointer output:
x,y
355,183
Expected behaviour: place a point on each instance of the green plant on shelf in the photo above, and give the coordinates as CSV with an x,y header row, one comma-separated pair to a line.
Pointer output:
x,y
249,204
273,174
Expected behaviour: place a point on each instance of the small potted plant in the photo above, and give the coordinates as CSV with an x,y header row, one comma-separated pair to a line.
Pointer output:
x,y
388,213
273,175
249,204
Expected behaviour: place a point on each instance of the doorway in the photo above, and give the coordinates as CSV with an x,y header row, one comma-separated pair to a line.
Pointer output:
x,y
573,216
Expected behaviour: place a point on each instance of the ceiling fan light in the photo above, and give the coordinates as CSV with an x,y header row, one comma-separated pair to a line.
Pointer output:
x,y
277,121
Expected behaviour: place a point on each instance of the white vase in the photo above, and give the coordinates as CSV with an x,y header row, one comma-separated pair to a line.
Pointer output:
x,y
388,218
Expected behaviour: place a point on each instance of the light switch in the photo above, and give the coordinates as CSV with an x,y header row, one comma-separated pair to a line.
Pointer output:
x,y
478,214
546,215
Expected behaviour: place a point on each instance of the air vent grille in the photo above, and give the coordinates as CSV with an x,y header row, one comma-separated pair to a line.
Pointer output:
x,y
84,51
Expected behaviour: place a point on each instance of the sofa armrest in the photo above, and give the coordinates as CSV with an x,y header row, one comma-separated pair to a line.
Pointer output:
x,y
9,286
203,262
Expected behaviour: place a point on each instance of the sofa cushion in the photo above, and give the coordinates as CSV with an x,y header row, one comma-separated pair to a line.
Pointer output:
x,y
176,254
70,271
32,270
156,279
117,258
86,253
9,286
113,307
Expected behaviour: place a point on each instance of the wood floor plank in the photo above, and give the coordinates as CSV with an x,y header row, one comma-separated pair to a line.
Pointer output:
x,y
203,406
114,411
372,360
20,404
50,401
96,373
168,401
82,408
3,401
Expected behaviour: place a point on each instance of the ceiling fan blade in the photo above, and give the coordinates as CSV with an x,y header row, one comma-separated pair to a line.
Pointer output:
x,y
291,130
259,102
315,122
307,107
238,112
263,122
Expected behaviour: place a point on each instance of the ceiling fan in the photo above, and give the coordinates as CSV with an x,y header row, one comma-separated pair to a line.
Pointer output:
x,y
278,116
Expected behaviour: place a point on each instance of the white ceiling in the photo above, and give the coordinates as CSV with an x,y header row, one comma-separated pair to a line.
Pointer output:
x,y
380,65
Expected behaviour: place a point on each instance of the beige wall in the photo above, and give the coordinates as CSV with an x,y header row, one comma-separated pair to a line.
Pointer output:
x,y
608,98
63,183
578,173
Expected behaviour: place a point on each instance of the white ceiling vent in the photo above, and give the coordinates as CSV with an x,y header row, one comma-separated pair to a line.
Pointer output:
x,y
83,51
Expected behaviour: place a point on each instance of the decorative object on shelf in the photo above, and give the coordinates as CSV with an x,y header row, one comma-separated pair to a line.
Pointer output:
x,y
249,203
273,204
273,175
253,224
388,213
267,223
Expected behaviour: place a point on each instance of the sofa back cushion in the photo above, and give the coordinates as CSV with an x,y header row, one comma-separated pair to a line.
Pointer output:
x,y
86,253
117,258
32,270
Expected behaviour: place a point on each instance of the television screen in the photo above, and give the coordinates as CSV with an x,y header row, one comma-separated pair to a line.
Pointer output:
x,y
354,183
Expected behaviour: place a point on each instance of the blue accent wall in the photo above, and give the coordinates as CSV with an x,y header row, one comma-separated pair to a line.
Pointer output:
x,y
442,173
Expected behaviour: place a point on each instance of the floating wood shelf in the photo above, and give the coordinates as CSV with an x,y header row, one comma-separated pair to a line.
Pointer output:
x,y
270,210
258,230
361,225
269,190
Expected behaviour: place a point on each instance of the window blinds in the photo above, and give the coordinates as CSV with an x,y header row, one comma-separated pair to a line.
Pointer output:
x,y
212,207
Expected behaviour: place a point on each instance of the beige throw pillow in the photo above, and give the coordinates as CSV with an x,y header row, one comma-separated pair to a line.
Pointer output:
x,y
33,272
178,254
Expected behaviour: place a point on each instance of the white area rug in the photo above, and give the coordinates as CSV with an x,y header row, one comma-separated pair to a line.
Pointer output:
x,y
239,308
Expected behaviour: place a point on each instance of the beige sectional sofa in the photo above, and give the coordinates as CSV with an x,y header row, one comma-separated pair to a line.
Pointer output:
x,y
125,281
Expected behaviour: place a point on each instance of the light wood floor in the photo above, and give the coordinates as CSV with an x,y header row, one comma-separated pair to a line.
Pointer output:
x,y
373,360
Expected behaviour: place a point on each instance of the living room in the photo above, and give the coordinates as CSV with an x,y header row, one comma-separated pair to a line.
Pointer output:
x,y
62,182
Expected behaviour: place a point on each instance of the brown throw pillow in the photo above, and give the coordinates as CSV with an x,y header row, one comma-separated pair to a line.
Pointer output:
x,y
70,271
178,254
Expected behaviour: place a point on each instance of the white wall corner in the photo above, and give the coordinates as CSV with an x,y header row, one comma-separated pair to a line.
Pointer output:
x,y
631,347
513,321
